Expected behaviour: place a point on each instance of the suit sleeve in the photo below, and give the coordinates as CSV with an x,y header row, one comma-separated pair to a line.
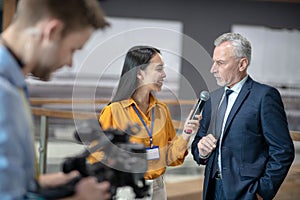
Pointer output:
x,y
281,148
204,124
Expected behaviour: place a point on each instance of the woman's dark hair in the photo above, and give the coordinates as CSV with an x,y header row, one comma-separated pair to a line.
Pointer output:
x,y
137,57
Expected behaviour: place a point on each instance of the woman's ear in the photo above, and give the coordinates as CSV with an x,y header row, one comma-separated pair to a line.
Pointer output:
x,y
140,75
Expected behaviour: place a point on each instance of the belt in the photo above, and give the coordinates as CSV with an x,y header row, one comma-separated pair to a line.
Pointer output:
x,y
218,175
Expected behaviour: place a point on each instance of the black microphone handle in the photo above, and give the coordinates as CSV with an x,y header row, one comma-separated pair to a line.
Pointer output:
x,y
197,109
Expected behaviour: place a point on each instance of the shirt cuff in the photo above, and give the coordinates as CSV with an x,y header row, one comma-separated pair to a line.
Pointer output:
x,y
204,157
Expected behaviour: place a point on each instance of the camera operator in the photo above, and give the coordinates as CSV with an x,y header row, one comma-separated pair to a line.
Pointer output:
x,y
42,38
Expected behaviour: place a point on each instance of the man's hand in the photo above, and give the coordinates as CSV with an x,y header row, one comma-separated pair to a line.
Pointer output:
x,y
206,145
56,179
86,189
89,189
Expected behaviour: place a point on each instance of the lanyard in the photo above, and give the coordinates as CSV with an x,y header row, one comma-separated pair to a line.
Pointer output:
x,y
145,125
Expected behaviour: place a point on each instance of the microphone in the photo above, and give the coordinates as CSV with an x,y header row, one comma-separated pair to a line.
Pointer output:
x,y
203,97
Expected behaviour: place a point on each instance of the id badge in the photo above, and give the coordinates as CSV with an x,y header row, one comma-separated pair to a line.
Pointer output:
x,y
153,153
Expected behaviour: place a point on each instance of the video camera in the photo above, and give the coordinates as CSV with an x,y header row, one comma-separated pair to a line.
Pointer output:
x,y
122,164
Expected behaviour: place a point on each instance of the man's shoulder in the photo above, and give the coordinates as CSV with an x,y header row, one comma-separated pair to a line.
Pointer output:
x,y
216,93
6,85
262,86
8,92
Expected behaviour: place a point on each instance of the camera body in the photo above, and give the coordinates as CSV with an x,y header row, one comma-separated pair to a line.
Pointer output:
x,y
122,164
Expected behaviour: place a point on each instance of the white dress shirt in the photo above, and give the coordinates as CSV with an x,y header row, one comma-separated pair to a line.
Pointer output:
x,y
231,99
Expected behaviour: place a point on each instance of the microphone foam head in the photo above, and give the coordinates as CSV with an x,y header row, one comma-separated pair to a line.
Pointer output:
x,y
204,95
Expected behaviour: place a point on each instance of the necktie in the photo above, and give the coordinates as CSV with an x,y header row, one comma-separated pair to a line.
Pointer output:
x,y
221,114
218,129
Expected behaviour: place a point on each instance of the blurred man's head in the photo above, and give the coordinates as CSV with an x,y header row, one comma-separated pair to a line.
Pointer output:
x,y
48,32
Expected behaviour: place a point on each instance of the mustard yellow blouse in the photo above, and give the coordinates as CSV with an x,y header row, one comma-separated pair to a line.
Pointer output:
x,y
173,148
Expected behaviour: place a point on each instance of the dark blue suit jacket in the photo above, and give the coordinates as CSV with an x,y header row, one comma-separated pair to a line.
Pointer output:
x,y
257,149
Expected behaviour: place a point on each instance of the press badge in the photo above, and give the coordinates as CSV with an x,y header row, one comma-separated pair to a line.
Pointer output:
x,y
152,153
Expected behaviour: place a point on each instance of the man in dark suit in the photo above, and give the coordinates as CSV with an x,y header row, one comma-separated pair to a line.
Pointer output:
x,y
243,138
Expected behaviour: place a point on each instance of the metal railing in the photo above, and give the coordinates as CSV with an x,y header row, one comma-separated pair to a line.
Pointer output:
x,y
46,113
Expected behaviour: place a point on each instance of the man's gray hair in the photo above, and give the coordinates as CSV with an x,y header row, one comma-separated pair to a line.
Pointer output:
x,y
242,47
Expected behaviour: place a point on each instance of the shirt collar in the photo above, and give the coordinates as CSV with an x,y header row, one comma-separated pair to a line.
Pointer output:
x,y
238,86
10,68
129,102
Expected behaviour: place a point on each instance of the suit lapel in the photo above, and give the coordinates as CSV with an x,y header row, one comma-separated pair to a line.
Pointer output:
x,y
238,102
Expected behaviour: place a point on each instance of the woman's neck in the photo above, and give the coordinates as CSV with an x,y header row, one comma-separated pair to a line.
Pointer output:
x,y
142,98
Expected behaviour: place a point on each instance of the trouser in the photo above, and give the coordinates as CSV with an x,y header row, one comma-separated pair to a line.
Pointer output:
x,y
215,188
219,192
157,191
